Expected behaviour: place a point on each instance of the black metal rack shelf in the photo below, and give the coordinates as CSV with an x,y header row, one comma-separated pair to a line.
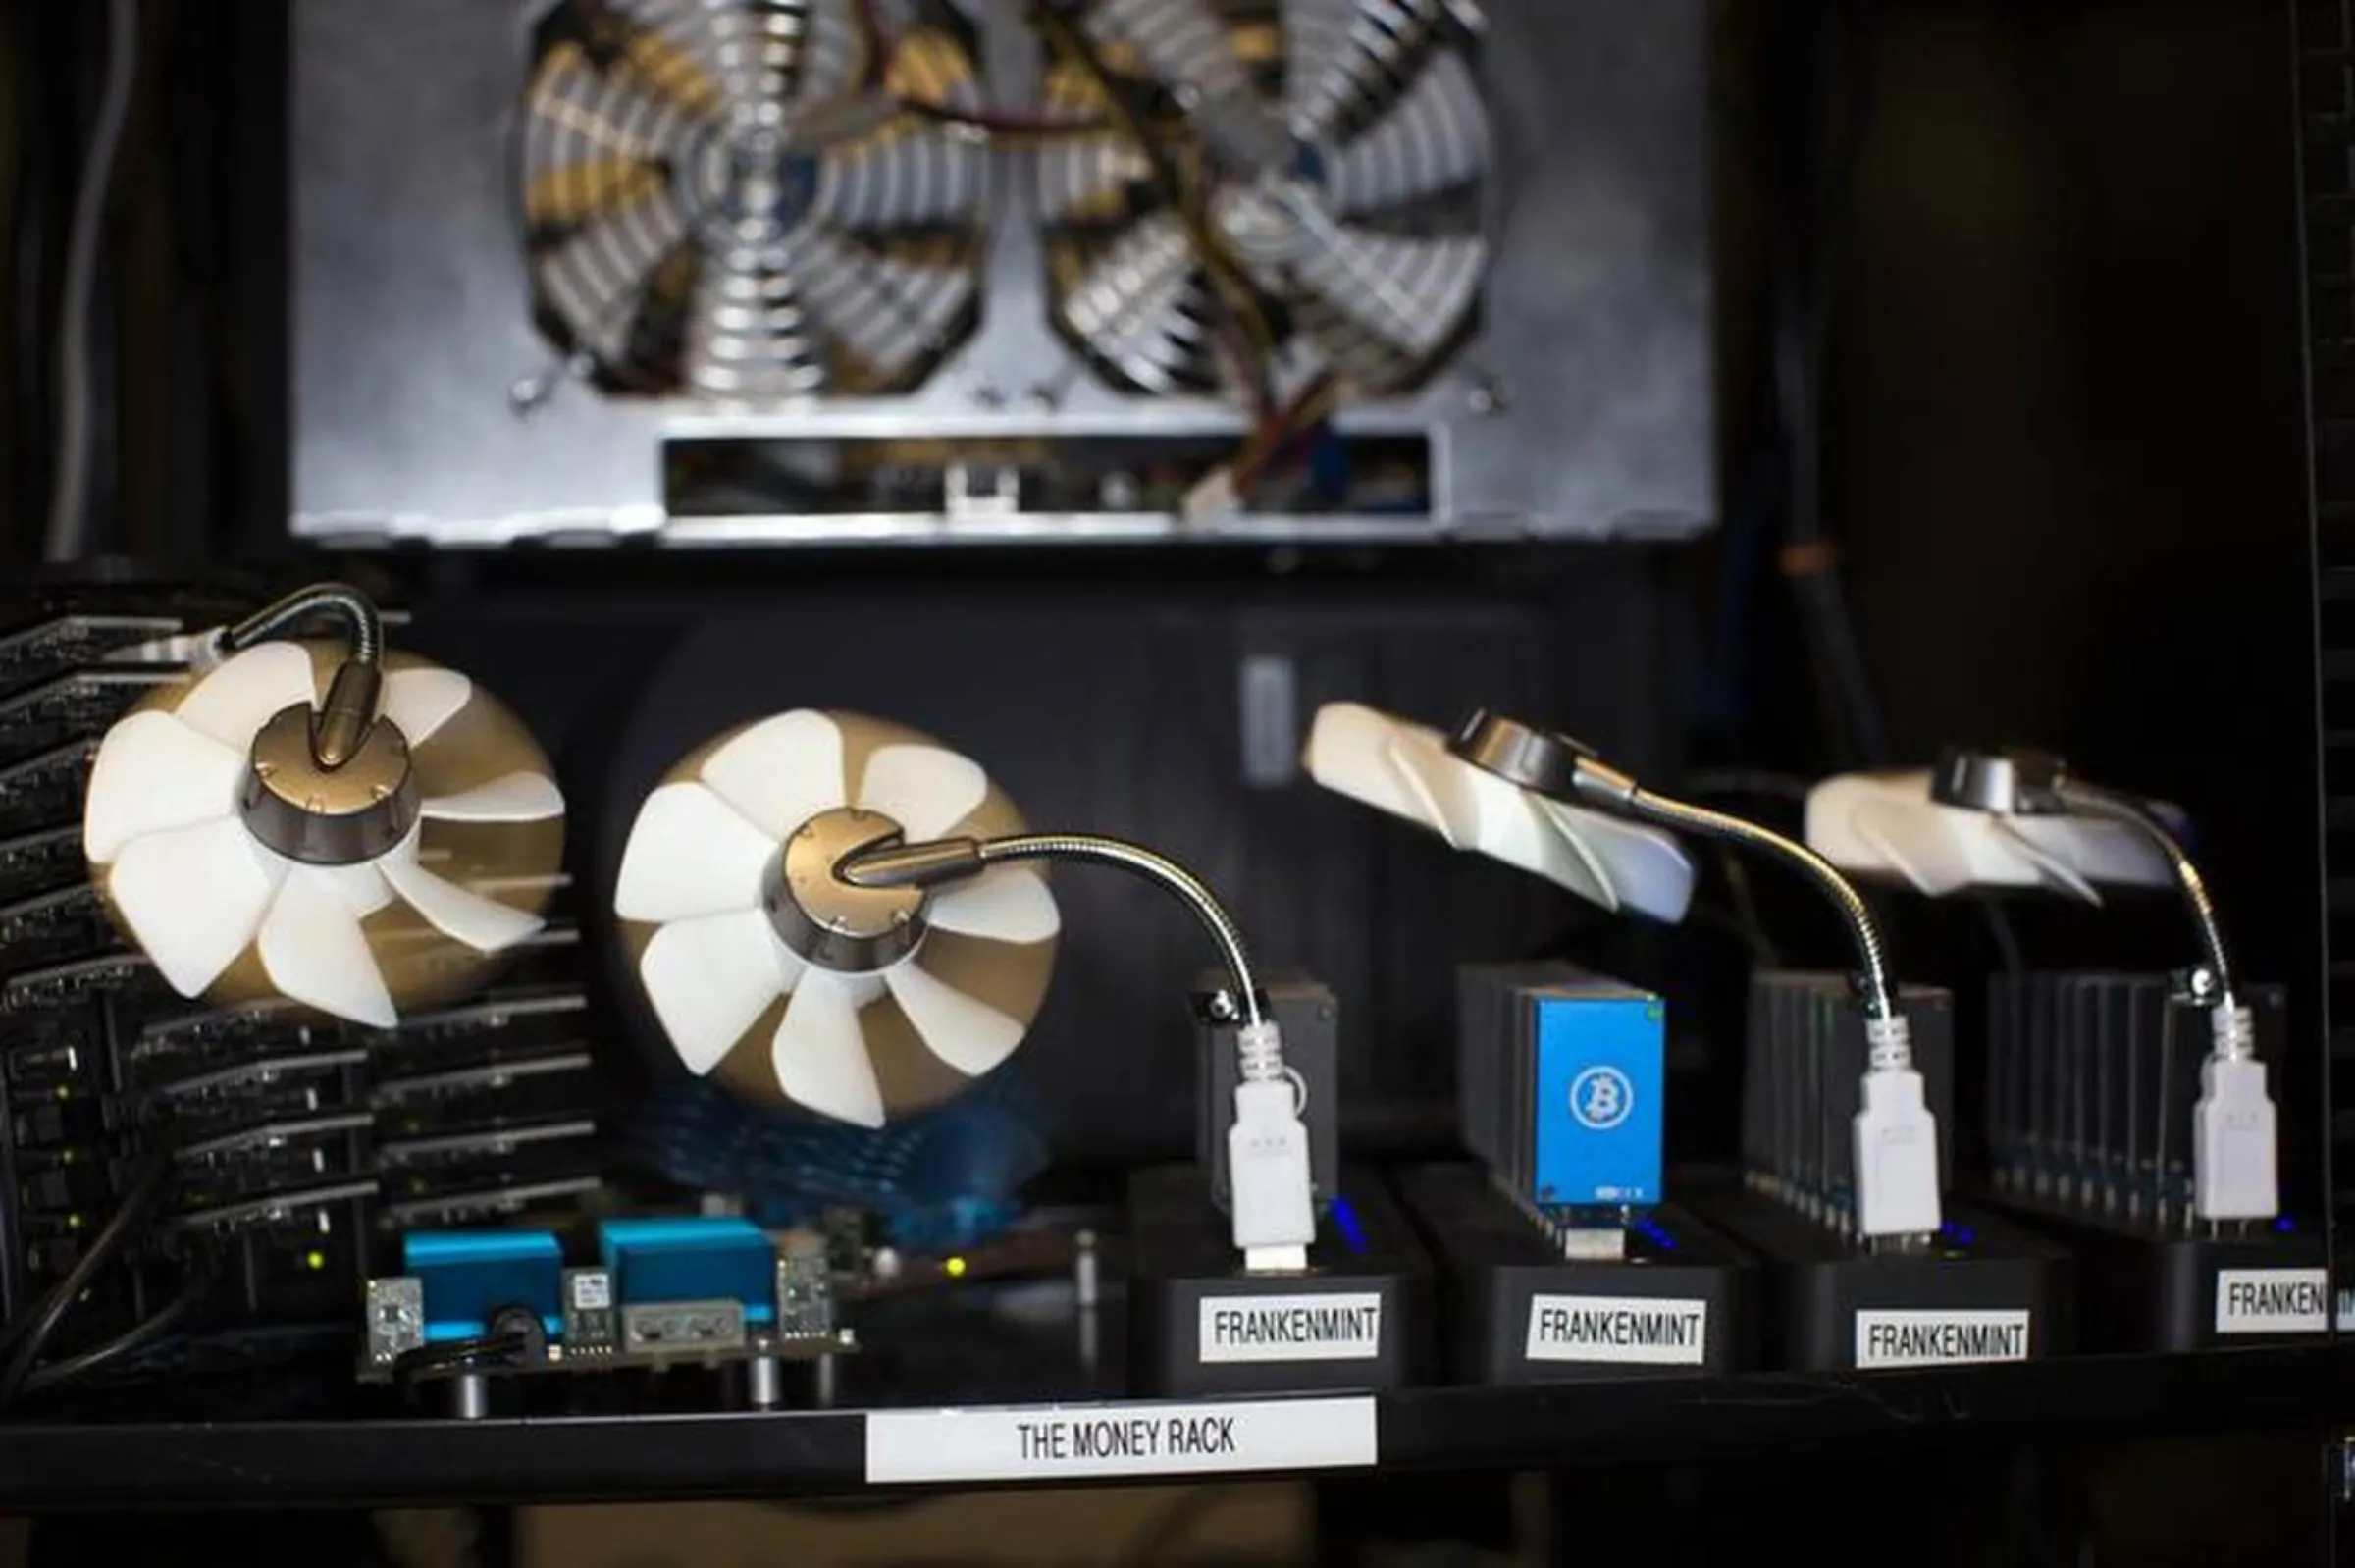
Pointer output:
x,y
788,1453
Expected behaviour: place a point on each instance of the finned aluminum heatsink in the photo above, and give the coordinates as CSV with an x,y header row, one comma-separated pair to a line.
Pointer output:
x,y
1338,150
720,202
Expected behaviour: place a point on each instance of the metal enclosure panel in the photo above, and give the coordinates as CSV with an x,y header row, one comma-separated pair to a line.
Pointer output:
x,y
1580,407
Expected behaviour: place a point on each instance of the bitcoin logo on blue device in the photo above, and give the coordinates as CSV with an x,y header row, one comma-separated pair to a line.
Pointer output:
x,y
1597,1094
1601,1098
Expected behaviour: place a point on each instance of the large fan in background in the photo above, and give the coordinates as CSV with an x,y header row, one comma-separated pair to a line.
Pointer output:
x,y
277,824
1329,153
722,199
789,983
1406,769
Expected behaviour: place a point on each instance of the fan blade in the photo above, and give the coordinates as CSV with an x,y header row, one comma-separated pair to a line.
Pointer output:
x,y
1005,904
483,924
1512,825
1339,51
968,1034
1410,293
2102,851
1915,838
781,773
576,193
1377,760
154,773
519,796
246,692
1646,871
899,180
313,950
1184,45
627,52
420,701
1405,770
603,268
1427,774
1131,305
925,789
1435,138
710,978
363,886
631,112
888,312
819,1053
2052,863
688,855
193,897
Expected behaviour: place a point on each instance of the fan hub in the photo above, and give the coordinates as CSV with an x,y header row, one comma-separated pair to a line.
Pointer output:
x,y
828,921
752,185
1269,219
321,815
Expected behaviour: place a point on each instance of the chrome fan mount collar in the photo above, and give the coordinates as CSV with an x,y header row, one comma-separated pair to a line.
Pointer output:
x,y
825,920
331,785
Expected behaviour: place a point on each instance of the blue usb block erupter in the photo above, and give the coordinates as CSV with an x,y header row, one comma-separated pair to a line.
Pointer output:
x,y
1562,1075
1601,1076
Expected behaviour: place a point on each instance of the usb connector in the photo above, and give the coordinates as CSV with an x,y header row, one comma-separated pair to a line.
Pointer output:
x,y
2233,1147
1897,1156
1266,1164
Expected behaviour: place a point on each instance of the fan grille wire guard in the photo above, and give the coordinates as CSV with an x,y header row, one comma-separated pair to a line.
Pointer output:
x,y
707,213
1342,149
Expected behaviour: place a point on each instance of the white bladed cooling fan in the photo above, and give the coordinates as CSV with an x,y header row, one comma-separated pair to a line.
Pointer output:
x,y
1887,826
1343,144
237,887
791,986
719,202
1404,768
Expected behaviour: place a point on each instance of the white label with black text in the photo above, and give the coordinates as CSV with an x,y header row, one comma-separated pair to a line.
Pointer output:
x,y
1640,1331
1045,1442
1337,1325
2271,1300
1917,1338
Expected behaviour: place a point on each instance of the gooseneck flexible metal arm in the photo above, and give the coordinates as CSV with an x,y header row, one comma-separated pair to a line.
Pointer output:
x,y
937,861
348,712
362,626
1561,769
2091,800
2029,783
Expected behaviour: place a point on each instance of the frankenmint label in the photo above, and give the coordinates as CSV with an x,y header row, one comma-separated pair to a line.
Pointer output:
x,y
1044,1442
1631,1330
1337,1325
1917,1338
2271,1300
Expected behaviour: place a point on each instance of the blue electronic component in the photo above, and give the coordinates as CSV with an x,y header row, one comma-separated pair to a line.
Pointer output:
x,y
695,1258
467,1275
1601,1076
